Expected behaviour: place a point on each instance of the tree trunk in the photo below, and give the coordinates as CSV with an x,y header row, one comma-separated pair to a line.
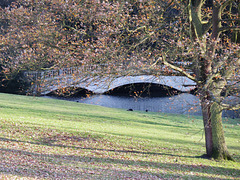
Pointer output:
x,y
219,150
205,104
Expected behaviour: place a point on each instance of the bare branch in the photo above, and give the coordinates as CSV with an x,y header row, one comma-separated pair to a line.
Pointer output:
x,y
230,70
230,20
222,29
135,30
178,69
225,4
230,107
77,31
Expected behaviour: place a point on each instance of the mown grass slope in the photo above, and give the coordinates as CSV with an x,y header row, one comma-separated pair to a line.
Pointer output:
x,y
53,139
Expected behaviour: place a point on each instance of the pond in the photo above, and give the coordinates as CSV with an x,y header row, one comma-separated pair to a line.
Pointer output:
x,y
141,97
183,103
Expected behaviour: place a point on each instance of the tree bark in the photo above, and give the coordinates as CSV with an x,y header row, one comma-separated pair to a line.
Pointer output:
x,y
205,104
219,150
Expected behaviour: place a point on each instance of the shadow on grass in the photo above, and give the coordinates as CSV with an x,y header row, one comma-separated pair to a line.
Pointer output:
x,y
32,164
49,143
176,141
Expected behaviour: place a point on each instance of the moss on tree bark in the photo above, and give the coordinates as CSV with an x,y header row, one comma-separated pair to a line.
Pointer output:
x,y
220,151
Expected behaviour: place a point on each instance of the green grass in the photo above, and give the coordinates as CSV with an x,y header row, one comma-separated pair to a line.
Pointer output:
x,y
52,139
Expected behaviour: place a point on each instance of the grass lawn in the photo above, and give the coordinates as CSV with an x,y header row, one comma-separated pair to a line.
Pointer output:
x,y
52,139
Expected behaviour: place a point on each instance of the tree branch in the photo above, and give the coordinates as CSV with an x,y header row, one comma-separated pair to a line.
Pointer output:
x,y
230,20
230,107
230,70
77,31
206,27
135,30
177,69
222,29
194,18
224,5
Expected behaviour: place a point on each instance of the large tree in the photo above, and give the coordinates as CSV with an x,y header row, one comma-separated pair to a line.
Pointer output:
x,y
213,30
196,38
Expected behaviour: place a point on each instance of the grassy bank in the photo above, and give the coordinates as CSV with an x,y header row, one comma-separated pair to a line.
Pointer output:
x,y
53,139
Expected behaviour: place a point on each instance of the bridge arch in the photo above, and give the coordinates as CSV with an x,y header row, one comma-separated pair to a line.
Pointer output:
x,y
178,83
70,91
143,89
101,85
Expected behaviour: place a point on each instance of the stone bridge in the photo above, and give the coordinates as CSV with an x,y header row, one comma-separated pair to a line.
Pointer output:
x,y
44,82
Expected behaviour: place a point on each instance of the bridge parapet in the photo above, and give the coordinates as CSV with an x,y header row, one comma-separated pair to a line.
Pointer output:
x,y
52,73
36,75
46,81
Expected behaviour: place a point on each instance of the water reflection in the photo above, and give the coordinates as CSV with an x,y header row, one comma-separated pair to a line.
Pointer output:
x,y
183,103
